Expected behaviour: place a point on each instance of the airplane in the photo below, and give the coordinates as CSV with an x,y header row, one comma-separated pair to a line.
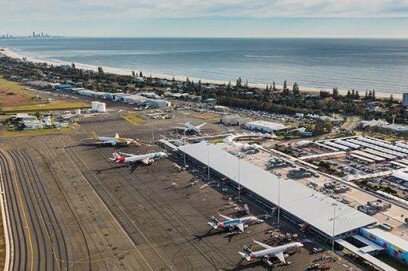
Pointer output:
x,y
128,158
187,127
233,223
116,140
268,252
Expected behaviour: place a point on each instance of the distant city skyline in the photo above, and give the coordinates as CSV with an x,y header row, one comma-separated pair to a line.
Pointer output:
x,y
33,35
193,18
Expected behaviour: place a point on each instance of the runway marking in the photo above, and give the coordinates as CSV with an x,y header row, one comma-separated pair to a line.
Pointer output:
x,y
114,219
38,207
133,223
27,226
6,225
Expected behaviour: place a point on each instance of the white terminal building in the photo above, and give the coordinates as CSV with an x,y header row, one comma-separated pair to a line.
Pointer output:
x,y
98,107
265,126
321,214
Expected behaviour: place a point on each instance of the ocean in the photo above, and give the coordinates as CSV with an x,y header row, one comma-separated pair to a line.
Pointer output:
x,y
360,64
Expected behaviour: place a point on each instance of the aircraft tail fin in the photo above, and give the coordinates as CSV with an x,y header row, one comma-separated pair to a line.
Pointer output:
x,y
245,256
213,222
212,225
115,157
116,135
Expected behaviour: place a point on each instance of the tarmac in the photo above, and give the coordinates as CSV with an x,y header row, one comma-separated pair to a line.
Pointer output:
x,y
70,208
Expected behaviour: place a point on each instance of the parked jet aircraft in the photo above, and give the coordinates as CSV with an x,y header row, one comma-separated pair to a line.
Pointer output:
x,y
187,127
233,223
269,252
128,158
116,140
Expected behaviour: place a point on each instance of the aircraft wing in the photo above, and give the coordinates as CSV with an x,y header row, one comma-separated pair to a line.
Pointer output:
x,y
225,217
126,154
180,128
262,244
201,125
111,142
146,161
241,227
281,257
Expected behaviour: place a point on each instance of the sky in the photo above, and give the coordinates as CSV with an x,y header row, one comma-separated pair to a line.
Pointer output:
x,y
206,18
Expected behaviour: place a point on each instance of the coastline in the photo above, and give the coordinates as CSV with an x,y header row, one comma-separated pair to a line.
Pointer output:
x,y
119,71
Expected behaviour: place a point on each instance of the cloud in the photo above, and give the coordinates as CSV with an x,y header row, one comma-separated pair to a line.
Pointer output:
x,y
52,10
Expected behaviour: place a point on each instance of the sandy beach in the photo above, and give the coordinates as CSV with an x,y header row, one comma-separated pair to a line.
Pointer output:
x,y
18,55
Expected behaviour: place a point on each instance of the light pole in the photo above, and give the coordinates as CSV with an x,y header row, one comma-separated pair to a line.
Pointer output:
x,y
334,223
184,153
208,161
239,178
279,201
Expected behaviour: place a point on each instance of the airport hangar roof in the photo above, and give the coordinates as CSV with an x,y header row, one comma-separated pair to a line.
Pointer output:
x,y
307,204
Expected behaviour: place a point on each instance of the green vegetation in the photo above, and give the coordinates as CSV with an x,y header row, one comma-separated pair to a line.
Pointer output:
x,y
39,132
213,117
133,118
327,168
322,127
14,94
57,105
373,187
12,86
215,140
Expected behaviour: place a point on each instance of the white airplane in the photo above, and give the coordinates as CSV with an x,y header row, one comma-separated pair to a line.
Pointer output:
x,y
116,140
187,127
269,252
128,158
233,223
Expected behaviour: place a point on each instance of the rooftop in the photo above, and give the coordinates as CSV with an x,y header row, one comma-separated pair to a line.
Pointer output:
x,y
389,237
267,124
308,205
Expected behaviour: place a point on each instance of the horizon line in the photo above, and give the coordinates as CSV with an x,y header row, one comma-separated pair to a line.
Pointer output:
x,y
54,36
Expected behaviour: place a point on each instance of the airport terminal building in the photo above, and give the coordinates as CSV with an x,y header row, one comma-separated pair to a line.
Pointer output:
x,y
326,217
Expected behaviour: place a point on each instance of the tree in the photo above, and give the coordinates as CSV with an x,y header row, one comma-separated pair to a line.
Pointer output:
x,y
274,86
322,127
373,95
140,74
73,66
284,85
100,70
296,89
335,94
133,73
348,94
324,94
239,82
357,96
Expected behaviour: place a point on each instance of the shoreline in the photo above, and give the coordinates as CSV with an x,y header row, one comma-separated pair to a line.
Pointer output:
x,y
120,71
